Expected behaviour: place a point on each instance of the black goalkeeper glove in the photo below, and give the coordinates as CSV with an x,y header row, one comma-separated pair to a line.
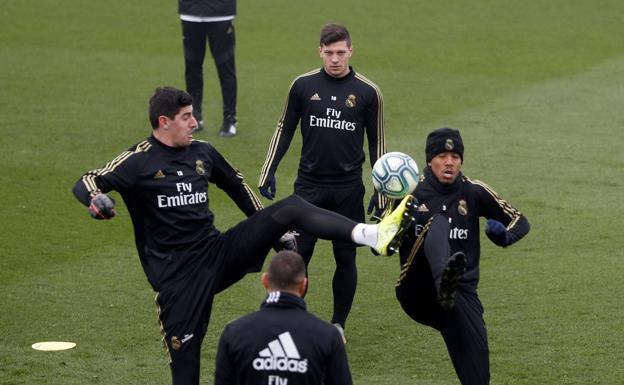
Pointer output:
x,y
102,207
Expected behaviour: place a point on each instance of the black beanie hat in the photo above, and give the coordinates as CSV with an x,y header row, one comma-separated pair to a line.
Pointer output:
x,y
443,140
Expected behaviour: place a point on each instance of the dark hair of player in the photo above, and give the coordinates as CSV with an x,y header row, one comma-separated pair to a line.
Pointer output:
x,y
167,101
333,33
286,270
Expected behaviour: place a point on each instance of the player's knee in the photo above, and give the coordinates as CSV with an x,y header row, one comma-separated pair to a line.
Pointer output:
x,y
288,210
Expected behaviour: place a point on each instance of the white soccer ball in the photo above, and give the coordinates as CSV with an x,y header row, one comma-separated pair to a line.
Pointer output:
x,y
395,175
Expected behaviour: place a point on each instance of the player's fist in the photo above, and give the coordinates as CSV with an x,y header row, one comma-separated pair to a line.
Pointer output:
x,y
102,207
268,190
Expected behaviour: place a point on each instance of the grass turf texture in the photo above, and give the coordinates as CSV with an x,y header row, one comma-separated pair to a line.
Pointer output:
x,y
535,88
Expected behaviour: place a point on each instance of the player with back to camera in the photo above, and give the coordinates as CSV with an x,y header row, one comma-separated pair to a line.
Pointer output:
x,y
164,181
282,343
437,286
336,109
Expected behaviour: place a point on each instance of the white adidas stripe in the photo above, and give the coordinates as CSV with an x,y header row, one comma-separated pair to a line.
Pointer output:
x,y
289,345
283,346
274,297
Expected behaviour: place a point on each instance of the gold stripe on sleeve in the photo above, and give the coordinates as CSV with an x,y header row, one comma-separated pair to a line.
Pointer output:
x,y
508,209
268,161
252,197
89,178
381,136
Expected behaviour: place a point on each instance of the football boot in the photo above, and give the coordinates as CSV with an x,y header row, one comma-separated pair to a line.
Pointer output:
x,y
453,271
392,226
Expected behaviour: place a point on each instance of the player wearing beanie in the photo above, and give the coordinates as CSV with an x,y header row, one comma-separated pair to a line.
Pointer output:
x,y
439,276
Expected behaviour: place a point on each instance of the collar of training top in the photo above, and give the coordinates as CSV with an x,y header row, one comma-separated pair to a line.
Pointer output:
x,y
347,76
283,299
442,188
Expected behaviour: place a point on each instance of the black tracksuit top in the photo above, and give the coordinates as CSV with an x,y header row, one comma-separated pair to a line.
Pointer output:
x,y
463,202
335,114
281,344
166,192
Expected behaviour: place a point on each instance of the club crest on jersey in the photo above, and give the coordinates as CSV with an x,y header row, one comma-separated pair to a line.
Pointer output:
x,y
351,101
199,167
449,145
175,343
462,207
315,97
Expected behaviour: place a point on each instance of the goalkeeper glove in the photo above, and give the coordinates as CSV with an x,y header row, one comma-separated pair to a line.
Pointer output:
x,y
102,207
288,241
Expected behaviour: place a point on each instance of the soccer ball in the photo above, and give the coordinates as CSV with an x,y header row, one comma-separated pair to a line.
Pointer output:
x,y
395,175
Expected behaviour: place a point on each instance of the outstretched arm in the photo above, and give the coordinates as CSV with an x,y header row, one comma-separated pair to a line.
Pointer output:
x,y
230,180
506,225
92,187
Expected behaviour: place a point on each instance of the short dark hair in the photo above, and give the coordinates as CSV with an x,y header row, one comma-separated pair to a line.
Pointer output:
x,y
286,270
333,33
167,101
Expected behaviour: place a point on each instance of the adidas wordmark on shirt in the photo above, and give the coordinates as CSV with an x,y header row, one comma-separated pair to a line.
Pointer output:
x,y
281,354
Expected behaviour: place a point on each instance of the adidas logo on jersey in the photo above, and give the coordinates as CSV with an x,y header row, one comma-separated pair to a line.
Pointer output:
x,y
315,97
282,355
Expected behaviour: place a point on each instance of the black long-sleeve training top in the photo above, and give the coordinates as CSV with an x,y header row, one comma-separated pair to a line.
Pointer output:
x,y
281,344
463,202
335,114
166,192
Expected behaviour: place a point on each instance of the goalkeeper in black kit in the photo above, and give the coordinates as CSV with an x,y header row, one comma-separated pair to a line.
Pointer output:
x,y
164,182
437,286
336,108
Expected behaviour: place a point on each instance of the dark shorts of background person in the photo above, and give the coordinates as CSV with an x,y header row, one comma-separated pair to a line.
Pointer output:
x,y
462,328
220,37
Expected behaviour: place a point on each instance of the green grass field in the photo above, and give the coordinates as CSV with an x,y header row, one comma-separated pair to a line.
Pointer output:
x,y
536,87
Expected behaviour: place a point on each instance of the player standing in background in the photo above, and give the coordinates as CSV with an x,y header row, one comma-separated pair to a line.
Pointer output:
x,y
440,263
210,21
164,182
282,343
335,108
